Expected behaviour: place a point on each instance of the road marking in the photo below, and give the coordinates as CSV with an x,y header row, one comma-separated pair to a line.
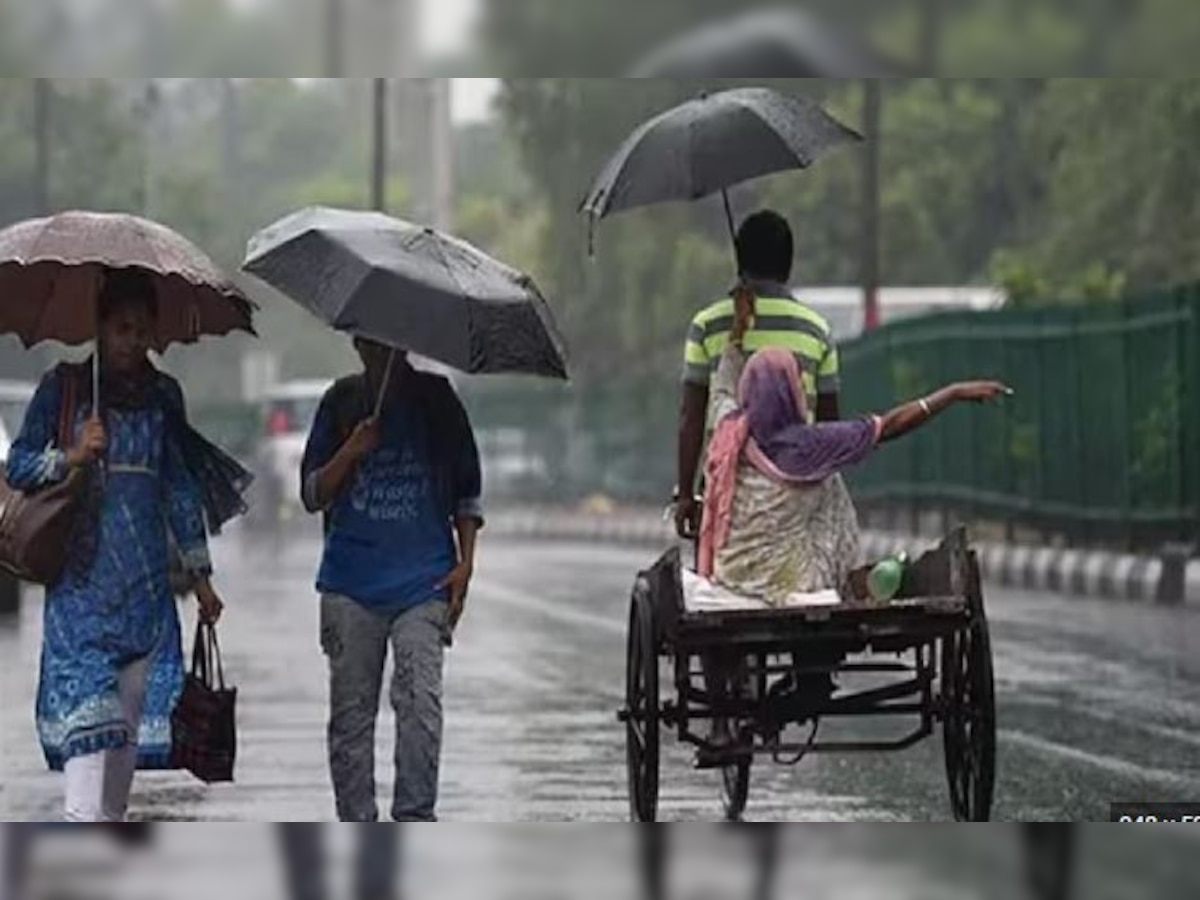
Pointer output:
x,y
1112,765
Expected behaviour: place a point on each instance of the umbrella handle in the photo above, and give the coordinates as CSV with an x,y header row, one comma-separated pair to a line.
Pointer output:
x,y
96,381
387,380
96,354
100,464
729,215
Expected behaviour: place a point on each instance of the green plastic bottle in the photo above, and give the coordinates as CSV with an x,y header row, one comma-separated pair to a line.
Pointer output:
x,y
886,578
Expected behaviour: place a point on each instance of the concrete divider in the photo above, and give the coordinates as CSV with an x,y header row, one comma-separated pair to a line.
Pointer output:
x,y
1143,579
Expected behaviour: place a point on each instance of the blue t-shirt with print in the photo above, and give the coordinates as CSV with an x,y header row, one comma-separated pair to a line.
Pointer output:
x,y
389,539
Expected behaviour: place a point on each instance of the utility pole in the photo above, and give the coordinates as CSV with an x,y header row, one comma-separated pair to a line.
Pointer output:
x,y
379,132
442,154
231,139
872,131
43,101
152,101
931,36
335,38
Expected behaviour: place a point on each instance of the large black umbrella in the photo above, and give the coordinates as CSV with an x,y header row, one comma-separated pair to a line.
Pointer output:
x,y
708,145
411,288
772,43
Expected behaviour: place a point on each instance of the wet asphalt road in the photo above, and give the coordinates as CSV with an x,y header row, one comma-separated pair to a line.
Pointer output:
x,y
1097,702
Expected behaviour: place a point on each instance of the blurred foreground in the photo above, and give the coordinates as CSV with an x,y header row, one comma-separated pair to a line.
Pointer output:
x,y
714,863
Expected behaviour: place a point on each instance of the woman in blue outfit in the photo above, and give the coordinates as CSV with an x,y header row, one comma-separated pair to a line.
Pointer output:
x,y
112,667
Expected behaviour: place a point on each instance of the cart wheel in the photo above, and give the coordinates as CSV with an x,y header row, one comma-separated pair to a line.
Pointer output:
x,y
642,703
969,729
735,789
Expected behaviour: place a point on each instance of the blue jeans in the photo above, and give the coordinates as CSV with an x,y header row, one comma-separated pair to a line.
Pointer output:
x,y
355,640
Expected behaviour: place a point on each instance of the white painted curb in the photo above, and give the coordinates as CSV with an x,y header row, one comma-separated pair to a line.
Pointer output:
x,y
1071,572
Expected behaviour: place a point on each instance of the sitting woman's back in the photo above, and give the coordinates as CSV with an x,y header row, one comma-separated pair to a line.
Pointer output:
x,y
778,519
785,540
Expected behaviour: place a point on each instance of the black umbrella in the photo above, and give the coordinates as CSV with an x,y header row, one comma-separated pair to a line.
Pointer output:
x,y
411,288
773,43
709,145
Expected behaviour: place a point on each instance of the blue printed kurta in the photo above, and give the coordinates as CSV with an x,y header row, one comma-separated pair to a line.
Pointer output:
x,y
122,609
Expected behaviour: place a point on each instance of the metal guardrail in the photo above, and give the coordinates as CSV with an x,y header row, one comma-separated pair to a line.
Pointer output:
x,y
1101,442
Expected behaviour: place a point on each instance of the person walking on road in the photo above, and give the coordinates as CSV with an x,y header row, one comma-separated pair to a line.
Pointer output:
x,y
112,666
393,465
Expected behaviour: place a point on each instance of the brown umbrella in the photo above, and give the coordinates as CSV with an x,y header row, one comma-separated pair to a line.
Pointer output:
x,y
52,271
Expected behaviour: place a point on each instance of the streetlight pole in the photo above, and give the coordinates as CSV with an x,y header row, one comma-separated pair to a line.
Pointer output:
x,y
151,109
441,133
931,36
231,138
872,130
379,131
335,38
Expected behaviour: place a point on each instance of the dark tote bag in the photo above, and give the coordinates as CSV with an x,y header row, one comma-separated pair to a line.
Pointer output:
x,y
204,725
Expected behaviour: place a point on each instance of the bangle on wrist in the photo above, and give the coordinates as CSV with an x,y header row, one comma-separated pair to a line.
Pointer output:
x,y
925,407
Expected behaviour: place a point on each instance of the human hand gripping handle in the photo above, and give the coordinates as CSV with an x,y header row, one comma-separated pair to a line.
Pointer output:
x,y
91,447
364,439
211,605
331,480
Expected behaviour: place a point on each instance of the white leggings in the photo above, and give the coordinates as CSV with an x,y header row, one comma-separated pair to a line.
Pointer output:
x,y
98,785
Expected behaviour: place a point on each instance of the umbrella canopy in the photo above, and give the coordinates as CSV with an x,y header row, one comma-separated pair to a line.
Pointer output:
x,y
412,288
711,144
772,43
52,271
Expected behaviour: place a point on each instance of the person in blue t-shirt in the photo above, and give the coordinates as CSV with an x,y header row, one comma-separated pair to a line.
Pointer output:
x,y
399,484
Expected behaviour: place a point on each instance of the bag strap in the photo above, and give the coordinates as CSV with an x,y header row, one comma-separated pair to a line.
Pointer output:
x,y
207,665
216,665
200,661
207,660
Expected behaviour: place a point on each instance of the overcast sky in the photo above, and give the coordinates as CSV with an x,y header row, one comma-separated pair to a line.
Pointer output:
x,y
444,28
444,31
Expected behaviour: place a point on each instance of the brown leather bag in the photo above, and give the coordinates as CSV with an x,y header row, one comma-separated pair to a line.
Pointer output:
x,y
35,527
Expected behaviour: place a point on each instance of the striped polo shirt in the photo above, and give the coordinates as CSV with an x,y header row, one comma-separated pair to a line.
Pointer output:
x,y
781,321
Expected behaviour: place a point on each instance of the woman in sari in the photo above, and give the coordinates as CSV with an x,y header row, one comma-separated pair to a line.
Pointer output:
x,y
111,667
778,519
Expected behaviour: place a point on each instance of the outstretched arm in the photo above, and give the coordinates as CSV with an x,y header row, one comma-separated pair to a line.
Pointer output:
x,y
908,418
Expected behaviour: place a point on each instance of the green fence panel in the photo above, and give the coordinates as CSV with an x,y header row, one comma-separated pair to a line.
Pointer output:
x,y
1101,438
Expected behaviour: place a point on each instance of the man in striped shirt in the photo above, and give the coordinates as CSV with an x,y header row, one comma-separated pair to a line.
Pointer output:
x,y
765,250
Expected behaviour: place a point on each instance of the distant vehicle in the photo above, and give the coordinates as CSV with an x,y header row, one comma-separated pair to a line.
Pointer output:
x,y
288,411
842,307
510,467
14,400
